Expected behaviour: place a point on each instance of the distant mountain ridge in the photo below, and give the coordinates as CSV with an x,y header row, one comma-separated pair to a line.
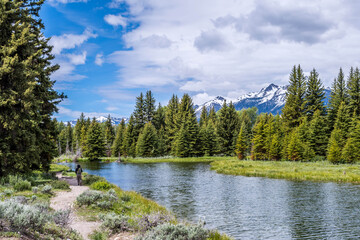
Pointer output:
x,y
270,99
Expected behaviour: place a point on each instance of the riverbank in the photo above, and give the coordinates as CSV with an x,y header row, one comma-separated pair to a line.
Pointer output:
x,y
170,159
111,212
297,171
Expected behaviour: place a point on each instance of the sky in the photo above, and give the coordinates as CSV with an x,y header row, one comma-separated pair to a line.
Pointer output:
x,y
109,51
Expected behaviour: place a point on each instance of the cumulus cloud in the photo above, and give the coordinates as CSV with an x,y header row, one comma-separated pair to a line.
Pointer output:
x,y
211,41
77,59
115,20
99,59
69,41
232,47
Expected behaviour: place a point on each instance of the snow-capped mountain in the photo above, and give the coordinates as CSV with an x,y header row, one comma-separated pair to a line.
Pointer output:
x,y
101,119
270,99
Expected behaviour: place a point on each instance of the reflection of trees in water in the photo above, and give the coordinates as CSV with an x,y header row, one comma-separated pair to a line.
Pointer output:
x,y
307,210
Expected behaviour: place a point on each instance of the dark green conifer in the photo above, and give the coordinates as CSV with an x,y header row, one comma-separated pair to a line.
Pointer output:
x,y
109,136
203,116
315,95
159,118
170,125
241,146
337,96
147,145
118,145
130,138
353,90
149,105
139,115
295,98
95,144
318,136
259,141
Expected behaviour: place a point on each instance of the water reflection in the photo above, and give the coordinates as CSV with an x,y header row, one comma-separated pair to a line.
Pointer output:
x,y
244,207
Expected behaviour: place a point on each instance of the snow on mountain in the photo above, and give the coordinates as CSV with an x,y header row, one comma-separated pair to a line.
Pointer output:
x,y
102,119
270,99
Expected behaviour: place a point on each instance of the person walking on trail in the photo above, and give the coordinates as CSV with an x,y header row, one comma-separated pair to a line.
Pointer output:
x,y
78,172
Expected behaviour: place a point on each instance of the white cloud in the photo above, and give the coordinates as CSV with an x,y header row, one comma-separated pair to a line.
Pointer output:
x,y
115,20
77,59
231,47
66,1
99,59
69,41
72,114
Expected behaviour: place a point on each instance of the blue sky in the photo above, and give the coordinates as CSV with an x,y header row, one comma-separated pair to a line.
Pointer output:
x,y
111,50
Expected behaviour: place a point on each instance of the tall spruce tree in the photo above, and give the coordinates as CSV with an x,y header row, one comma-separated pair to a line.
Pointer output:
x,y
295,98
109,136
351,151
212,115
259,141
337,96
147,145
77,132
186,118
130,138
241,143
318,136
149,105
95,144
159,117
27,97
170,124
118,145
227,128
353,90
203,116
315,95
139,115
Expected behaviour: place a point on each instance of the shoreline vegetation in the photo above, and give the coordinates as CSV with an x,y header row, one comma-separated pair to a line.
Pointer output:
x,y
117,211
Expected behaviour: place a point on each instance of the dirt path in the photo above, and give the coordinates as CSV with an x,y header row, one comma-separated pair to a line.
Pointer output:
x,y
65,200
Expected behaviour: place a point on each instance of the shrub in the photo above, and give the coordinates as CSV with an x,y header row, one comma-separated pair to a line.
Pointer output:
x,y
62,217
98,198
21,216
147,222
176,232
126,197
90,179
35,189
46,189
60,184
215,235
99,235
22,186
116,223
8,192
101,185
89,197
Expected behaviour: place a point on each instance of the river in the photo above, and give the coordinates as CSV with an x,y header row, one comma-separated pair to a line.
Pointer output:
x,y
243,207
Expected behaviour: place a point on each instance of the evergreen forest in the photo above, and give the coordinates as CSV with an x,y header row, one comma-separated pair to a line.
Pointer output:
x,y
306,130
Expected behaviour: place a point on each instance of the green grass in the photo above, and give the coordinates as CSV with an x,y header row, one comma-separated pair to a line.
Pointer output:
x,y
58,168
299,171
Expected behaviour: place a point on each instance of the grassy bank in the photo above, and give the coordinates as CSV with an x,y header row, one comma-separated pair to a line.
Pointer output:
x,y
207,159
299,171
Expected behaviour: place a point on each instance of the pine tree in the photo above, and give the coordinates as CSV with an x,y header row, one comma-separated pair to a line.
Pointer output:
x,y
118,145
318,137
337,96
77,135
351,151
130,139
170,125
147,144
95,144
336,144
294,149
353,90
181,147
295,98
259,143
211,143
149,105
161,142
227,128
212,115
83,137
275,148
109,136
203,116
241,143
159,117
139,115
186,118
69,138
315,95
27,99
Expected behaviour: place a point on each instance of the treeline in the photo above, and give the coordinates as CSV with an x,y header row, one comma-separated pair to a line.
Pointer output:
x,y
307,130
158,131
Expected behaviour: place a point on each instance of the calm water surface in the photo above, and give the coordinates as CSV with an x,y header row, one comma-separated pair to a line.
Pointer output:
x,y
243,207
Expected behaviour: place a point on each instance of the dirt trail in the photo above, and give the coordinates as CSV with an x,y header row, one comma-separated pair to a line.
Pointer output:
x,y
65,200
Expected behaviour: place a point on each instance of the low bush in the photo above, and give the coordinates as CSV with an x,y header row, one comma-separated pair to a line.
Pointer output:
x,y
97,235
101,185
22,186
97,199
8,192
176,232
90,179
62,217
126,197
47,189
149,221
115,223
35,189
60,184
215,235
